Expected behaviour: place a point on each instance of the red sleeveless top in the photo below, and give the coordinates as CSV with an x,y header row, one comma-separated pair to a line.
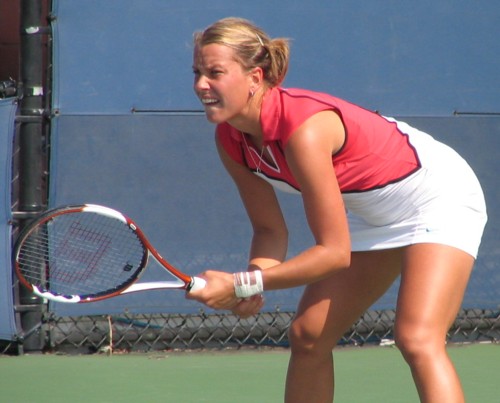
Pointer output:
x,y
375,152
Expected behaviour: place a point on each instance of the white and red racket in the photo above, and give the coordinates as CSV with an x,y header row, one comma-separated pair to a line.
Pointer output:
x,y
88,253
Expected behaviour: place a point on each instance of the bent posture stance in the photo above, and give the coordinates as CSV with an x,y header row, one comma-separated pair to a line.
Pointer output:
x,y
382,200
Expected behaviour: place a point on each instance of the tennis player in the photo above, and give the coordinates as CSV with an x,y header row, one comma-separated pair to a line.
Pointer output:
x,y
382,200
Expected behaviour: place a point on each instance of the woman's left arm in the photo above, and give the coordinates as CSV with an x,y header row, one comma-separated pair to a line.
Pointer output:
x,y
309,156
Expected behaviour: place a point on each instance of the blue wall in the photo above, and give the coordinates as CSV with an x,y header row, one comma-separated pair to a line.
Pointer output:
x,y
400,57
129,132
7,115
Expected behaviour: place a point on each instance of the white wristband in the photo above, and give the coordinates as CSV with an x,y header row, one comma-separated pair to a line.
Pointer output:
x,y
248,283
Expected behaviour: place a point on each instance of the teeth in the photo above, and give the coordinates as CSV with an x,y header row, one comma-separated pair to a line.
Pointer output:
x,y
207,101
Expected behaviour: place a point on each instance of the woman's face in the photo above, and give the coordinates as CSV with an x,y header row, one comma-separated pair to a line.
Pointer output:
x,y
221,83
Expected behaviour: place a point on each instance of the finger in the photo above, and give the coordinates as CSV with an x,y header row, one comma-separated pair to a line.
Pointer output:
x,y
228,304
249,306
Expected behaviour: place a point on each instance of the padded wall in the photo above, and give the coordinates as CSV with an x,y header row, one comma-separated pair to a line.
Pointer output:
x,y
7,115
129,132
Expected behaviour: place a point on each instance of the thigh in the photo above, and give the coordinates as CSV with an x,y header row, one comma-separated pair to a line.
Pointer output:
x,y
433,282
329,307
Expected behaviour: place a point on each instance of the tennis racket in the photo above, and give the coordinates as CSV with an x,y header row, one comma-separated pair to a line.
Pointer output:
x,y
88,253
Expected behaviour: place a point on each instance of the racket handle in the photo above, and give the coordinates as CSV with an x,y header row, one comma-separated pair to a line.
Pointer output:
x,y
197,283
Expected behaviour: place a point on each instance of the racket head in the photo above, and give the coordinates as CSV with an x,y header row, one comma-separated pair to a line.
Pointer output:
x,y
79,253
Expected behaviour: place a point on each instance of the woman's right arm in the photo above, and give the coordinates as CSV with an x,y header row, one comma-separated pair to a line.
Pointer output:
x,y
270,235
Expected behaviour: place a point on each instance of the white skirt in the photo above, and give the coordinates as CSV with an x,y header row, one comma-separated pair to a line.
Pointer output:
x,y
440,203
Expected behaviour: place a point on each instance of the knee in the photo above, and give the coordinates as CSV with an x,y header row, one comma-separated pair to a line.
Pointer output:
x,y
418,344
409,345
306,338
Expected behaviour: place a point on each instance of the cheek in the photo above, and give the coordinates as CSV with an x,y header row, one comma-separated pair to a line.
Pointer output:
x,y
239,92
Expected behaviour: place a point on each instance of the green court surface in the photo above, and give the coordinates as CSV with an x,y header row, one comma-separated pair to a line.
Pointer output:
x,y
367,374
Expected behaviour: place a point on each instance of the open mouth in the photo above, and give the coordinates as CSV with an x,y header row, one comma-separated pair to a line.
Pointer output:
x,y
209,101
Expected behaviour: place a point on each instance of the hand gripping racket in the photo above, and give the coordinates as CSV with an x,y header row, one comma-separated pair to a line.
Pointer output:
x,y
88,253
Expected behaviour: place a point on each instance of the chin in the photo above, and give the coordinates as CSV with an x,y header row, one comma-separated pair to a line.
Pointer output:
x,y
214,118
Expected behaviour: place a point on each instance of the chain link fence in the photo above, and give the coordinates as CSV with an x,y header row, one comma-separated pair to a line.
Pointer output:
x,y
216,331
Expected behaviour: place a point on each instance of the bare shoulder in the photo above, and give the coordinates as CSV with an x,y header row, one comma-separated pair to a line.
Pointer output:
x,y
322,132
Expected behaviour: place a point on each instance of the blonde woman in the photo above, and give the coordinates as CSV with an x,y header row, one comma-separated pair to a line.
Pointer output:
x,y
382,200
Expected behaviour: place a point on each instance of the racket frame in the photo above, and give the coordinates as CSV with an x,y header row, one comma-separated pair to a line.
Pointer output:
x,y
185,282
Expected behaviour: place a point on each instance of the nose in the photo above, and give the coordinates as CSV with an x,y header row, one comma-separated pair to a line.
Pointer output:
x,y
201,83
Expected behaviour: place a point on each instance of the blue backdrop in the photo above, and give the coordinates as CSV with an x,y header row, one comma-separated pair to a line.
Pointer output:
x,y
129,133
7,115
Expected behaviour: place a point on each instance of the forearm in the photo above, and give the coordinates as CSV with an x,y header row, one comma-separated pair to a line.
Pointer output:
x,y
267,249
268,253
313,264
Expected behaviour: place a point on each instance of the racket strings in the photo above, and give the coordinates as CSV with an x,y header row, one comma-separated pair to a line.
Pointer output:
x,y
81,254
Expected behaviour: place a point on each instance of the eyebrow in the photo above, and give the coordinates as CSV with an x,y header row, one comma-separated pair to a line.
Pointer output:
x,y
210,66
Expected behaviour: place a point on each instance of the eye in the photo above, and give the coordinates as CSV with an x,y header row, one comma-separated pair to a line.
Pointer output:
x,y
216,72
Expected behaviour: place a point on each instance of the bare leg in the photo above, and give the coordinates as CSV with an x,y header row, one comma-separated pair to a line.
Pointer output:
x,y
433,282
326,311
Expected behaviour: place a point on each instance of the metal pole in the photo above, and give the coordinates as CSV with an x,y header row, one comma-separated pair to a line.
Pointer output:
x,y
31,166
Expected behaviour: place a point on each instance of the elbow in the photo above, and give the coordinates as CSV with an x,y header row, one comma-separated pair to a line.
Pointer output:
x,y
271,234
345,256
344,260
341,259
335,260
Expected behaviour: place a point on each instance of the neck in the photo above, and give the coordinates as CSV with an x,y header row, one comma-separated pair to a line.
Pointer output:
x,y
249,121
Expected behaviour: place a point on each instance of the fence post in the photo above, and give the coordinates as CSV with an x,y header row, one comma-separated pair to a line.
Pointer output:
x,y
31,153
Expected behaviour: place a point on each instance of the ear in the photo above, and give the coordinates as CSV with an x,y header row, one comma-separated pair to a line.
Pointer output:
x,y
256,76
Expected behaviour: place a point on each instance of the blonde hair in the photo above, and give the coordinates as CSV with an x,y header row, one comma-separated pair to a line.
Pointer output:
x,y
252,47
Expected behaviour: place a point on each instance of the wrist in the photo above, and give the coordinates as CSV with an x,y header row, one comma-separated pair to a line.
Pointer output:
x,y
248,283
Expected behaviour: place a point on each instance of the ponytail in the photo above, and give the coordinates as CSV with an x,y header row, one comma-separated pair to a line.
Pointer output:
x,y
251,45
